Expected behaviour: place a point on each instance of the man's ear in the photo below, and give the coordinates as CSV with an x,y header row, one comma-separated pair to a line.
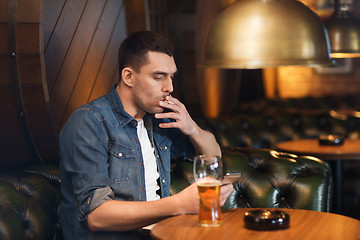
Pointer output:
x,y
127,76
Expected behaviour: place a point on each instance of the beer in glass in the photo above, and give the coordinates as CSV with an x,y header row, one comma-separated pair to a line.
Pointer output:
x,y
208,173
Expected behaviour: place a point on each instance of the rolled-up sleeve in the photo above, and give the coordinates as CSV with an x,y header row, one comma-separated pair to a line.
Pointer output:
x,y
100,196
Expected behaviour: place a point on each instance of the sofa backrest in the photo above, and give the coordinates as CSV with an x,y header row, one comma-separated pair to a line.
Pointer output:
x,y
270,179
267,129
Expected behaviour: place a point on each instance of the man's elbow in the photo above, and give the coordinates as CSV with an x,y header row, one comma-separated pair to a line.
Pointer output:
x,y
97,218
93,224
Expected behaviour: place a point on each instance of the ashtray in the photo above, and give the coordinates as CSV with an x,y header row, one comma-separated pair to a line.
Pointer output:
x,y
263,219
331,140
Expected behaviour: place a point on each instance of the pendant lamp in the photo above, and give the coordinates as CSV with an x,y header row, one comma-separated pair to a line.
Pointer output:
x,y
344,32
253,34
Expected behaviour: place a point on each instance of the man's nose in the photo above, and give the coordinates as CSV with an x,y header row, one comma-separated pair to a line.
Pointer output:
x,y
168,85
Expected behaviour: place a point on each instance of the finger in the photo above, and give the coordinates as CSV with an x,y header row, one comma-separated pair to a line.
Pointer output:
x,y
171,115
168,102
174,101
169,105
168,125
226,190
171,100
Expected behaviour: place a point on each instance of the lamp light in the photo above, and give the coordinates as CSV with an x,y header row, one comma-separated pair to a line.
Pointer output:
x,y
253,34
344,32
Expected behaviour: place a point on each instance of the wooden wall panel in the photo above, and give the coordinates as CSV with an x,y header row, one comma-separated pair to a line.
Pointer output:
x,y
52,11
5,75
33,98
4,6
83,65
4,38
30,73
74,59
135,17
61,38
45,138
28,12
18,36
96,56
7,108
108,72
131,19
65,54
32,81
26,40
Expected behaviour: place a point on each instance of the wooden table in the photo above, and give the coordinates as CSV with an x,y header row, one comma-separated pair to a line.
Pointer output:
x,y
304,225
350,150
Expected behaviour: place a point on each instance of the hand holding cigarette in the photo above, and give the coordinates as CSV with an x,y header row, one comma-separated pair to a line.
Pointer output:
x,y
179,113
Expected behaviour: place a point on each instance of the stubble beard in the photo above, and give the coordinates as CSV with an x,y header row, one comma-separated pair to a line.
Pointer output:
x,y
149,108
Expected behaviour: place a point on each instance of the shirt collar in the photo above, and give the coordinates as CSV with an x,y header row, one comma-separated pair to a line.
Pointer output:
x,y
122,116
117,107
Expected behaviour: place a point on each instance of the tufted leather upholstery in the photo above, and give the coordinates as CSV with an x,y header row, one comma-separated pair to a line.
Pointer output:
x,y
271,179
29,204
265,130
29,199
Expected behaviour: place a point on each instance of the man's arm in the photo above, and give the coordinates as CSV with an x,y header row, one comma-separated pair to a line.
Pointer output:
x,y
116,215
204,142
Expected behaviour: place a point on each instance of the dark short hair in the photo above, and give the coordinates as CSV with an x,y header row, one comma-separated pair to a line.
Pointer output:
x,y
133,49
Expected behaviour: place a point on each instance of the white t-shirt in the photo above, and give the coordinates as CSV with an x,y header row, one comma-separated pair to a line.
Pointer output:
x,y
150,166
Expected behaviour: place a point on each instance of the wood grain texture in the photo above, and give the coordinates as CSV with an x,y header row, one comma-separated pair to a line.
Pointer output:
x,y
304,225
65,54
75,57
61,37
4,38
94,58
348,151
22,40
84,63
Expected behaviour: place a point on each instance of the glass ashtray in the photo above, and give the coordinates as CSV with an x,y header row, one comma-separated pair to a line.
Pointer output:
x,y
264,219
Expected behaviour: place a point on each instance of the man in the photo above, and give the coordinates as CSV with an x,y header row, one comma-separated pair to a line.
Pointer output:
x,y
115,151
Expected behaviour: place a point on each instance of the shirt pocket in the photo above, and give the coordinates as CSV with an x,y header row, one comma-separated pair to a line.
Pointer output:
x,y
121,160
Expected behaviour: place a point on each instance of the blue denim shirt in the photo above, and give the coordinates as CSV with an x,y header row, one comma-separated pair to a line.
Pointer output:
x,y
101,160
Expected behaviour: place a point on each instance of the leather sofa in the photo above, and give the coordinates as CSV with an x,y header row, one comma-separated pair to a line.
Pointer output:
x,y
263,123
29,204
265,130
29,198
270,179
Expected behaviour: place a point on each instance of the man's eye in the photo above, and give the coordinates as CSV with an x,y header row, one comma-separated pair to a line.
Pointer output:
x,y
159,77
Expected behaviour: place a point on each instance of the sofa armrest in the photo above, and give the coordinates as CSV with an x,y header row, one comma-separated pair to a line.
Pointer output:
x,y
29,204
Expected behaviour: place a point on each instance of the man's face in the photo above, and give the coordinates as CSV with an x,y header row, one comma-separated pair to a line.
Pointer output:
x,y
153,82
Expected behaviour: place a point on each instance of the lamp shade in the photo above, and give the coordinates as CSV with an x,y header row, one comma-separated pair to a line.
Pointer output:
x,y
266,33
344,34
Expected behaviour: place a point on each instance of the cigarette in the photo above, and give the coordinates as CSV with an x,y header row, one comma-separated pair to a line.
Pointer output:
x,y
169,102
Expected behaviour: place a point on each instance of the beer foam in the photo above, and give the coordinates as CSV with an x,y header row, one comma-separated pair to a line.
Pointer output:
x,y
208,182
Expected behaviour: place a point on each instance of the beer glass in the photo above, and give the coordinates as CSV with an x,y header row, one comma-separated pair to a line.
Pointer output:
x,y
208,173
